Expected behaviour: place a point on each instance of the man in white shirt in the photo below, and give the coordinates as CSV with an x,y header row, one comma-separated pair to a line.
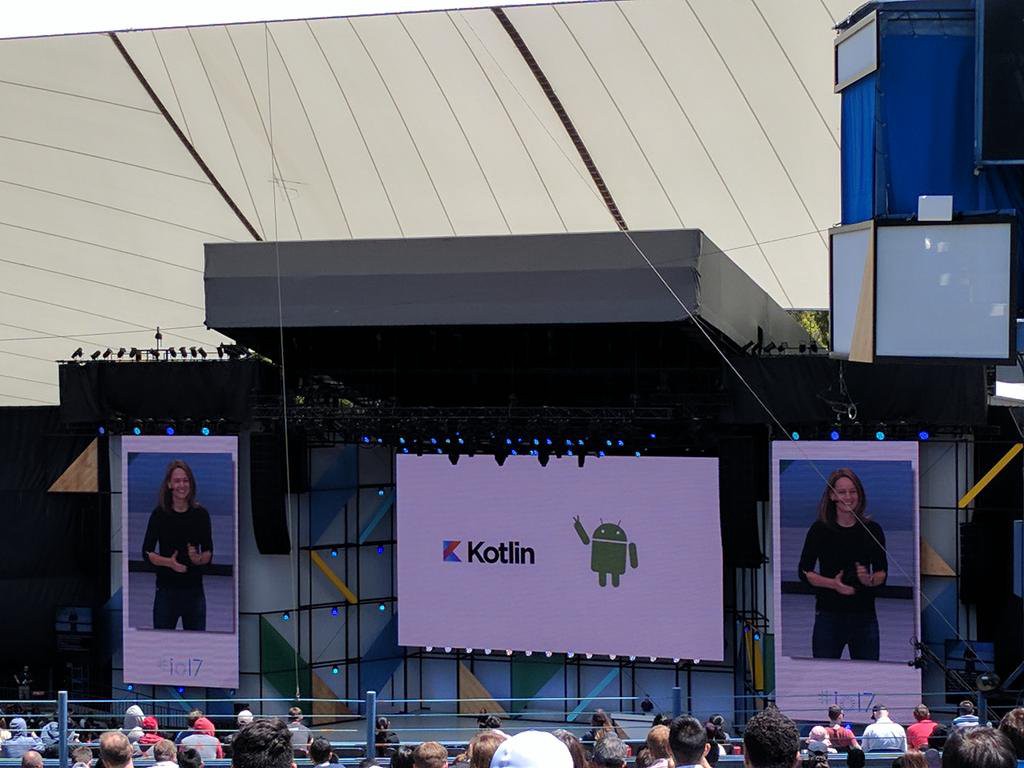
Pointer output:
x,y
883,735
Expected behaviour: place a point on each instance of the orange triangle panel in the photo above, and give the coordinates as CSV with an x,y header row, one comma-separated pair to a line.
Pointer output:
x,y
83,474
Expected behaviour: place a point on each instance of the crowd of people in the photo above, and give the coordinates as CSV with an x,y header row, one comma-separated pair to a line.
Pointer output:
x,y
770,740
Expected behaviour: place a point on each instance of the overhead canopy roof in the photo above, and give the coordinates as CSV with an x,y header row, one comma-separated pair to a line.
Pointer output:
x,y
695,113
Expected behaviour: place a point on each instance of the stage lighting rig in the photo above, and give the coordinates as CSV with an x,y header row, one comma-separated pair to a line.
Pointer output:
x,y
172,352
120,353
108,353
95,354
202,353
76,354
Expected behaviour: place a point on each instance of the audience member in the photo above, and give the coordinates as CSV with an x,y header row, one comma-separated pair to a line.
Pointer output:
x,y
189,757
710,760
978,747
430,754
201,736
1012,725
717,735
115,750
911,759
659,753
688,741
575,747
883,735
601,724
771,740
165,753
21,740
149,734
483,746
320,752
385,739
937,738
50,738
966,716
81,757
300,733
609,752
368,762
402,758
31,759
918,733
818,741
839,736
244,716
528,749
263,744
132,725
855,758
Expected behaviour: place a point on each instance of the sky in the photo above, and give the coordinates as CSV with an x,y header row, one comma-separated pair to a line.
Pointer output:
x,y
56,17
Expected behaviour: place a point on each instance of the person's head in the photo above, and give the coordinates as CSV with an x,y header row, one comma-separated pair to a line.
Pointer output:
x,y
575,747
262,744
818,733
770,740
402,758
430,754
31,759
921,712
688,740
115,750
609,752
879,711
319,750
657,742
489,722
978,748
855,758
482,748
149,724
82,755
1012,725
294,714
179,484
368,762
383,724
531,749
835,714
843,489
243,717
662,718
190,757
601,719
193,716
165,751
965,707
912,759
937,738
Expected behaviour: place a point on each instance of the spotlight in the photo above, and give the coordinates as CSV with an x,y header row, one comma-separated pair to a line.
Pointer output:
x,y
757,636
95,354
513,452
169,429
612,656
923,435
637,454
380,549
181,690
108,353
131,687
675,660
487,651
202,353
334,553
171,352
205,430
469,650
184,352
620,443
590,655
101,430
286,616
632,658
879,435
334,669
696,661
334,611
194,351
548,654
834,434
429,649
987,682
794,435
382,607
220,351
136,430
570,654
135,354
529,653
654,659
120,353
653,436
447,649
380,491
76,354
601,454
508,652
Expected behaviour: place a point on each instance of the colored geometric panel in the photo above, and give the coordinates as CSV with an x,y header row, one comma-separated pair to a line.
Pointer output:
x,y
378,515
529,675
325,707
474,698
448,548
381,659
83,474
605,681
334,468
324,508
341,586
280,664
932,563
938,616
988,476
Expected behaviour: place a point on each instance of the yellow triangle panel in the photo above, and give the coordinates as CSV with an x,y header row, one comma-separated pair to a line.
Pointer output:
x,y
932,563
471,688
83,474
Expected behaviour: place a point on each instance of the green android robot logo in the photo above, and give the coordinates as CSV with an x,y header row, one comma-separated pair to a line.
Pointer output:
x,y
608,550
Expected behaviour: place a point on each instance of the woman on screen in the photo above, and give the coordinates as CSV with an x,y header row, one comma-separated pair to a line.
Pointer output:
x,y
848,550
179,544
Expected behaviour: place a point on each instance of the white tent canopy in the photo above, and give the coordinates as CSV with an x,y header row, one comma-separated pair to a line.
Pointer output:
x,y
710,114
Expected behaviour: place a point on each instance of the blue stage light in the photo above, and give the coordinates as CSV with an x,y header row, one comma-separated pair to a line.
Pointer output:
x,y
136,430
405,450
533,452
334,553
757,636
879,435
652,436
285,616
181,690
619,443
579,442
334,611
834,434
461,441
514,452
923,435
568,441
447,441
205,431
439,450
101,430
366,438
380,491
131,687
601,454
382,607
608,443
536,441
380,549
795,435
508,441
433,441
334,670
547,441
637,454
401,441
569,452
380,440
169,430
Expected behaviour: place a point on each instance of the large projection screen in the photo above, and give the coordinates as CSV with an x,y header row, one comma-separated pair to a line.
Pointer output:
x,y
179,535
561,558
945,291
850,644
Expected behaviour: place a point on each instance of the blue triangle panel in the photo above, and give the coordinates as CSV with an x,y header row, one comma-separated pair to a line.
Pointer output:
x,y
334,468
382,659
324,508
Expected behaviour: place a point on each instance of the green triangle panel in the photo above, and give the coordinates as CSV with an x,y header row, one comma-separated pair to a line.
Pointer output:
x,y
529,675
278,661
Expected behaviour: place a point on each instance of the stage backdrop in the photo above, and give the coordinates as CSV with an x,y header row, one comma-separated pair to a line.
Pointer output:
x,y
622,556
180,622
808,619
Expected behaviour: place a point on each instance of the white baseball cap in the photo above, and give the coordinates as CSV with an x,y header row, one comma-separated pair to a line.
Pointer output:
x,y
532,749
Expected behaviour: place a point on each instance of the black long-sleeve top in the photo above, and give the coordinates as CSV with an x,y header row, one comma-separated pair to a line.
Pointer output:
x,y
834,548
174,531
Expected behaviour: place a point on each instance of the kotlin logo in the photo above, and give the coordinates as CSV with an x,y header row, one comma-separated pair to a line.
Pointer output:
x,y
448,551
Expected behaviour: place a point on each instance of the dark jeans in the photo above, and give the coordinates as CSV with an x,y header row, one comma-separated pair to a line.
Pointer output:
x,y
834,631
185,603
